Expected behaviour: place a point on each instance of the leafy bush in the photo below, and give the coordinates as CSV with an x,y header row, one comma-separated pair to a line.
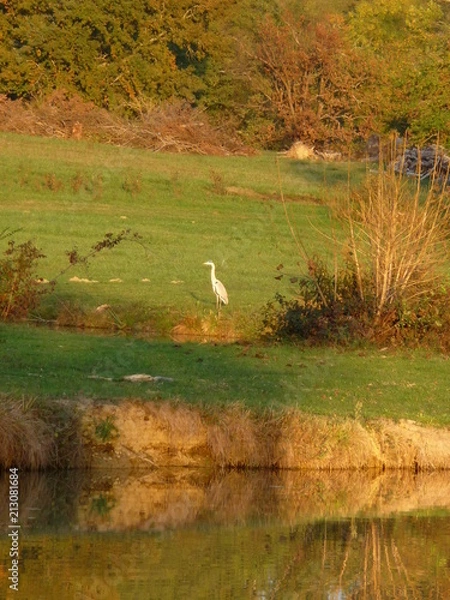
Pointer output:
x,y
20,288
329,309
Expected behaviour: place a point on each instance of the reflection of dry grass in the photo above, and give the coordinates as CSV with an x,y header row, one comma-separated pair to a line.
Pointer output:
x,y
383,568
167,498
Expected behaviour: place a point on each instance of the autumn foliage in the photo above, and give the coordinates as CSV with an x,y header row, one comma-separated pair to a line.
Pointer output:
x,y
314,76
267,72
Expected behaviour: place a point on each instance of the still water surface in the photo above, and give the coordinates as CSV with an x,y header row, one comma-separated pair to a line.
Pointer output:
x,y
190,535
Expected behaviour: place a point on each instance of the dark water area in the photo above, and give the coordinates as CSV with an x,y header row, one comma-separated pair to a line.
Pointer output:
x,y
189,534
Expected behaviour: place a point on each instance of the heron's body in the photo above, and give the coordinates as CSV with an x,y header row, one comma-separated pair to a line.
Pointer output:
x,y
217,286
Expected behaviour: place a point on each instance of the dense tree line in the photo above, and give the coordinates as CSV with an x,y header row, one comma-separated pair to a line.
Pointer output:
x,y
328,72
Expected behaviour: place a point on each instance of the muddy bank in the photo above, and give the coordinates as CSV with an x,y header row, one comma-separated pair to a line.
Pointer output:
x,y
137,435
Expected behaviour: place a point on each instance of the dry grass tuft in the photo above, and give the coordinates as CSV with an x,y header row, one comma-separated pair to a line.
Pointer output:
x,y
307,441
294,440
38,436
205,327
176,418
239,437
407,444
26,440
290,440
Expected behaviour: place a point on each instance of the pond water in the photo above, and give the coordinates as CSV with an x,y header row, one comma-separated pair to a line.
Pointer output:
x,y
185,534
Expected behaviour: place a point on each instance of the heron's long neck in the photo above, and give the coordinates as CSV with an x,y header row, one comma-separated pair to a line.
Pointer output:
x,y
213,273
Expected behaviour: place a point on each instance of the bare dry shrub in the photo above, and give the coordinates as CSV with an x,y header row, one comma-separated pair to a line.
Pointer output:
x,y
172,127
20,289
391,287
397,235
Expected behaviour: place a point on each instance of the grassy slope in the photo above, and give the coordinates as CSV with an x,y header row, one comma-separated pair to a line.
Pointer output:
x,y
63,194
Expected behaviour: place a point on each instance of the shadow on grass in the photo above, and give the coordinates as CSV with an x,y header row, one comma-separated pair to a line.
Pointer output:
x,y
332,175
58,364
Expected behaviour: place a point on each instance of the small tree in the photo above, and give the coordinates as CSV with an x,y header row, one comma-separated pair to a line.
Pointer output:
x,y
21,289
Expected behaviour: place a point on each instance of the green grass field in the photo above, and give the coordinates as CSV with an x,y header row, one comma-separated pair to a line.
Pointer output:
x,y
41,363
188,209
63,194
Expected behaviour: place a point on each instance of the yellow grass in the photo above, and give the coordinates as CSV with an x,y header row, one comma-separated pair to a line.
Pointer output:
x,y
26,440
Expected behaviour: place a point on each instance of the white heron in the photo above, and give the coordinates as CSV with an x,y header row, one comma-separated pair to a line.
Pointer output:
x,y
217,286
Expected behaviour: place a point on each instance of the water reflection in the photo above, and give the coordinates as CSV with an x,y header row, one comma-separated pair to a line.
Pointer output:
x,y
185,534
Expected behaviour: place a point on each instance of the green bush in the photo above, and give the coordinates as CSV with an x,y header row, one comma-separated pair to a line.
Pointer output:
x,y
20,288
327,308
